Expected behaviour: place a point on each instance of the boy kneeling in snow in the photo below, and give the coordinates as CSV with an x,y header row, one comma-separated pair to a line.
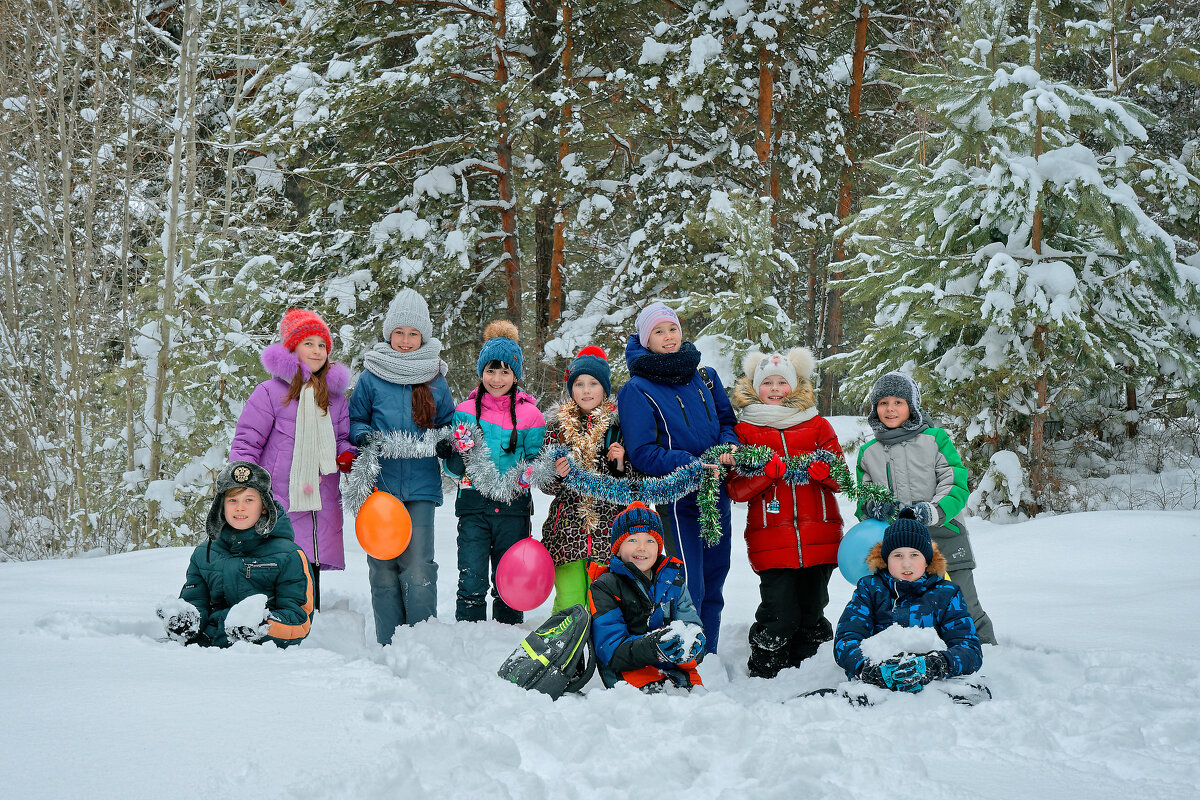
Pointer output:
x,y
906,589
644,627
250,581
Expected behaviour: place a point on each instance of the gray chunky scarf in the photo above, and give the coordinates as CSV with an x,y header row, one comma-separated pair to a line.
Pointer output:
x,y
407,369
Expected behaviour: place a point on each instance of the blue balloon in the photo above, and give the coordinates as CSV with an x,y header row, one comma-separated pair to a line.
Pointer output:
x,y
856,546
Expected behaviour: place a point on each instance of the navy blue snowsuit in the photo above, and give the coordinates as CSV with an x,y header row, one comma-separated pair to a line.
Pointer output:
x,y
668,425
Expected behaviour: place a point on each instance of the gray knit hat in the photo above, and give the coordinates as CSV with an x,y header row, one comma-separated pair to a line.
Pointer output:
x,y
408,308
242,475
897,384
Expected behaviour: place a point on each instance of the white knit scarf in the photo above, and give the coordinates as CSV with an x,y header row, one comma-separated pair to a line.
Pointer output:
x,y
313,454
780,417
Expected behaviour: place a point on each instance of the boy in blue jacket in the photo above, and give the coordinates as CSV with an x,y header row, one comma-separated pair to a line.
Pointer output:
x,y
907,588
644,627
671,412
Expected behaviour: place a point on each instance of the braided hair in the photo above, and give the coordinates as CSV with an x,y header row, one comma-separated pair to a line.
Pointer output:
x,y
512,404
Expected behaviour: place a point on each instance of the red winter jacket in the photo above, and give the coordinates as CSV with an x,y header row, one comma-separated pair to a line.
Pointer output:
x,y
807,529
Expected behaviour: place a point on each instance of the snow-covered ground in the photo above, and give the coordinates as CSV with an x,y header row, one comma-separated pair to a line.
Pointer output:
x,y
1096,681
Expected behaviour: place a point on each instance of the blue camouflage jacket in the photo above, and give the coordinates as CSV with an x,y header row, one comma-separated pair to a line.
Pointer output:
x,y
931,601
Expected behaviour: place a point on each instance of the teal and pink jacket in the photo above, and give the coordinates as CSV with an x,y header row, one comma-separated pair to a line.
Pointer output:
x,y
496,420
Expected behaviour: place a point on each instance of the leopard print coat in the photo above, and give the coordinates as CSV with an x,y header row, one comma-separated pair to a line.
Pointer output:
x,y
577,527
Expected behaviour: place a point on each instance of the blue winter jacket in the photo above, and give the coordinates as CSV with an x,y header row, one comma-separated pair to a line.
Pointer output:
x,y
378,405
667,426
931,601
625,606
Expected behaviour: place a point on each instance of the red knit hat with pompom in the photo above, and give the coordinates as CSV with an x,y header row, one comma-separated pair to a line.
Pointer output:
x,y
298,324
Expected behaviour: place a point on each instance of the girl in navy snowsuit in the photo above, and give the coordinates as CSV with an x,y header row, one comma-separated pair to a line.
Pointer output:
x,y
671,412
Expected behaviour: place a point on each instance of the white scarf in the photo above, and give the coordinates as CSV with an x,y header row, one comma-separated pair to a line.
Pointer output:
x,y
313,454
780,417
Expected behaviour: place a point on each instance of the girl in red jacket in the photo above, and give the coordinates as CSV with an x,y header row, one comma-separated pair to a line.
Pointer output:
x,y
792,530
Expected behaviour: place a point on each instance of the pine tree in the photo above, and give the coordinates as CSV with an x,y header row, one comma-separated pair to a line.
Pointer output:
x,y
1011,255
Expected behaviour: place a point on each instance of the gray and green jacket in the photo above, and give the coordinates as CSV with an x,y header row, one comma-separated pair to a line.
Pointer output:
x,y
925,466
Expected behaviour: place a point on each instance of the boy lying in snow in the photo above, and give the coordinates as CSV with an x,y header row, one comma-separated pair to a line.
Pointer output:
x,y
250,581
906,589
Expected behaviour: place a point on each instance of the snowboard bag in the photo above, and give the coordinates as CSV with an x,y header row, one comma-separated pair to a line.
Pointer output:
x,y
557,657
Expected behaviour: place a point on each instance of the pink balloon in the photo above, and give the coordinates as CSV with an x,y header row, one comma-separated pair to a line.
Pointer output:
x,y
525,575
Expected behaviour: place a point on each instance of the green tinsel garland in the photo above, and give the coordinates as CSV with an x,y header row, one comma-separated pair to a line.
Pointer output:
x,y
750,461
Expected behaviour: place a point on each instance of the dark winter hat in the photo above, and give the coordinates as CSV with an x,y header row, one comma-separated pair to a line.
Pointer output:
x,y
408,308
897,384
590,361
636,518
242,475
500,344
906,532
298,324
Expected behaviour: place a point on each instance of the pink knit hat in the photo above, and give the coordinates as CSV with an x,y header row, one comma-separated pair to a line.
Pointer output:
x,y
298,324
652,315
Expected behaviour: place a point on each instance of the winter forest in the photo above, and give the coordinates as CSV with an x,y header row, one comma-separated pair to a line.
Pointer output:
x,y
1000,196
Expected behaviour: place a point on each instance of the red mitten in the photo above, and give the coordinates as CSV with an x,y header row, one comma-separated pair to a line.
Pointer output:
x,y
774,468
345,461
818,470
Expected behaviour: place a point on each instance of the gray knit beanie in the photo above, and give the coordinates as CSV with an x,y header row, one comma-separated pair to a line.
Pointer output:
x,y
242,475
408,308
897,384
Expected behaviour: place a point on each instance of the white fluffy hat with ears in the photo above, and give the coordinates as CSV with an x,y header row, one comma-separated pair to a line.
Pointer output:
x,y
798,363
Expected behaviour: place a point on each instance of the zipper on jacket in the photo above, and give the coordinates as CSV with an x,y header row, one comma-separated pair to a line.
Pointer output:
x,y
250,567
795,506
704,403
683,410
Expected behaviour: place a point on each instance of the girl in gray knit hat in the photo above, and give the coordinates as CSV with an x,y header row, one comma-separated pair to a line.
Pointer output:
x,y
920,466
404,389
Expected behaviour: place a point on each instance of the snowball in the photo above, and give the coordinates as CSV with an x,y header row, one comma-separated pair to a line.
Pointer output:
x,y
898,639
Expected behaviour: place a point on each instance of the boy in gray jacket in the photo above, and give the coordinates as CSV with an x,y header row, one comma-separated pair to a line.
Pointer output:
x,y
922,469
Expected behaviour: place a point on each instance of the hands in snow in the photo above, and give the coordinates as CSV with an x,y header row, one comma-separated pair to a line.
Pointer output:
x,y
882,510
924,513
698,646
181,620
906,673
246,633
669,645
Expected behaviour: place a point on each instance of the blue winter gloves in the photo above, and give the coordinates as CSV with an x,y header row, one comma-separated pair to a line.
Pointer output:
x,y
925,513
906,673
671,647
882,510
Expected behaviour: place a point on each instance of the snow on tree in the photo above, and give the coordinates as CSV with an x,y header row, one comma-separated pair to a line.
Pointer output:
x,y
1011,258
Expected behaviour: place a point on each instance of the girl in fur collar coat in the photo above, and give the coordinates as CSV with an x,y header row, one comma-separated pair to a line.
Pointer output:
x,y
576,531
296,426
792,531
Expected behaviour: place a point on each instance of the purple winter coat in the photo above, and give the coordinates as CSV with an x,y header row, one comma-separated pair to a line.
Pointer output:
x,y
265,435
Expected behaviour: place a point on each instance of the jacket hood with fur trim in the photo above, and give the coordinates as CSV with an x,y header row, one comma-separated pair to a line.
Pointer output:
x,y
282,363
936,565
801,398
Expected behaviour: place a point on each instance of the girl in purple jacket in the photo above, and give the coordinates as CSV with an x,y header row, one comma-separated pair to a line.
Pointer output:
x,y
296,426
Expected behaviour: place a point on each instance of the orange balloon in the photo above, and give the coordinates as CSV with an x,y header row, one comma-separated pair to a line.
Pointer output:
x,y
383,526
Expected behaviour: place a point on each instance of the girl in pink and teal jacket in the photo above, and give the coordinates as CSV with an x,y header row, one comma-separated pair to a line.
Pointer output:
x,y
513,430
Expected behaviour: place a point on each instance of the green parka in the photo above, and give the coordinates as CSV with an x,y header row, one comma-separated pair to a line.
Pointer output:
x,y
238,564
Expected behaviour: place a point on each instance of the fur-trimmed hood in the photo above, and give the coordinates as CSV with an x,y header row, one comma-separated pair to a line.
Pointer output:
x,y
801,398
281,363
936,565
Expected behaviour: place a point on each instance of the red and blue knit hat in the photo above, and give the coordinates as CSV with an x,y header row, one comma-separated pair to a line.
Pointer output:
x,y
298,324
590,361
636,518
